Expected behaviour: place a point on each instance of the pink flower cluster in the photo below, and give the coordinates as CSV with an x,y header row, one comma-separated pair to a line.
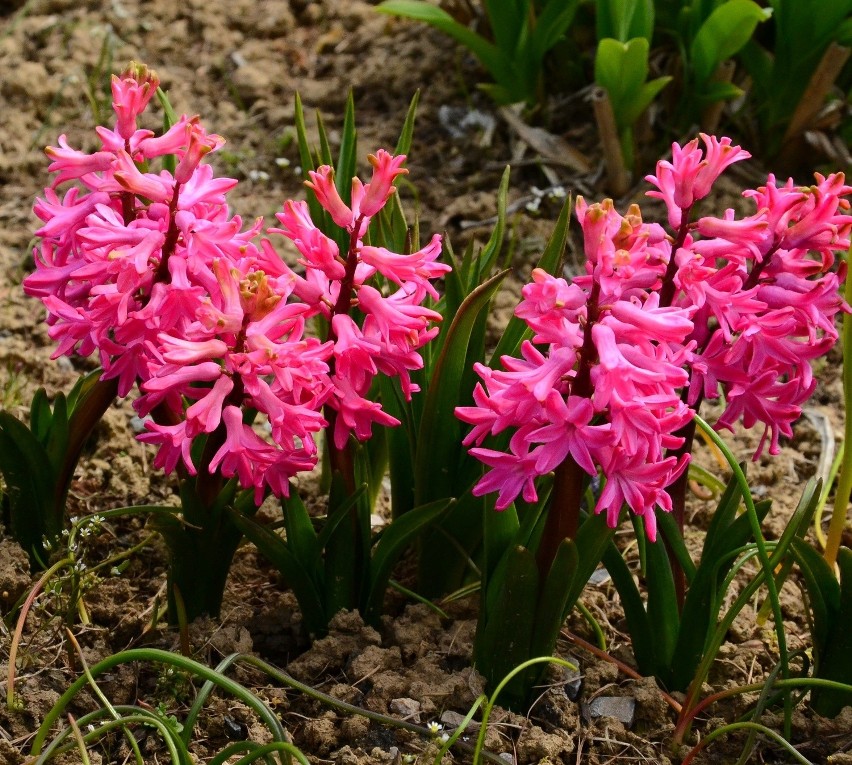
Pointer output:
x,y
153,272
622,355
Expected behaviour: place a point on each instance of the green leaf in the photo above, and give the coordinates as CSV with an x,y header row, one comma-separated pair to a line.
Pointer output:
x,y
30,483
624,19
391,545
674,540
553,603
552,24
644,97
169,119
509,20
727,29
551,262
487,259
836,663
489,55
504,633
662,602
344,170
823,593
403,144
712,92
346,544
438,442
621,69
301,535
642,635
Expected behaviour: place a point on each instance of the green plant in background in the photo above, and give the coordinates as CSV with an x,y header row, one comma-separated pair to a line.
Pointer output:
x,y
38,462
621,69
522,32
782,69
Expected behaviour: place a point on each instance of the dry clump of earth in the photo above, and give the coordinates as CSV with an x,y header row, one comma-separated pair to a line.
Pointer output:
x,y
239,64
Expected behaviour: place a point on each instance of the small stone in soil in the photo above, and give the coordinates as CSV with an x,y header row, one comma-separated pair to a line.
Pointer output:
x,y
622,708
407,709
235,730
573,679
599,576
453,720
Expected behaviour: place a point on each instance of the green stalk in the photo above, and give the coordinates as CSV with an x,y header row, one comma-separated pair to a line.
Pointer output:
x,y
844,482
768,732
486,712
267,716
765,574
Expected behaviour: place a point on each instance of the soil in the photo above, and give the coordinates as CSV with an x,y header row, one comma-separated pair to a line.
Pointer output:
x,y
238,64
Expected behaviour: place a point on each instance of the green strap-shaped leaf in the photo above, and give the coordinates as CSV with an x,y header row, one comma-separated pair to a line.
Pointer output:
x,y
346,547
347,158
301,535
504,634
491,57
438,442
30,486
823,593
403,144
551,261
553,603
662,602
551,25
836,662
392,543
638,623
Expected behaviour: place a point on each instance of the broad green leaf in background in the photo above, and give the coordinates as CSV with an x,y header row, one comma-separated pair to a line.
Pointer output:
x,y
723,34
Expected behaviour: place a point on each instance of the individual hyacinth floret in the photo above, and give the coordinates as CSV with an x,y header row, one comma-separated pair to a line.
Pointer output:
x,y
152,271
624,354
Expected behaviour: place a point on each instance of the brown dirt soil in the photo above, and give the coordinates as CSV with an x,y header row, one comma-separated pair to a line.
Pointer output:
x,y
238,65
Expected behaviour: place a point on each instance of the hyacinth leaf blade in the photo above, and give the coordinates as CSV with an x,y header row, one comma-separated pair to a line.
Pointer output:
x,y
392,542
509,21
346,546
372,459
798,525
675,542
169,118
662,600
440,459
823,593
406,134
551,261
402,446
553,602
308,162
836,660
439,444
488,257
201,538
300,533
500,532
344,170
704,596
504,633
29,481
638,623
